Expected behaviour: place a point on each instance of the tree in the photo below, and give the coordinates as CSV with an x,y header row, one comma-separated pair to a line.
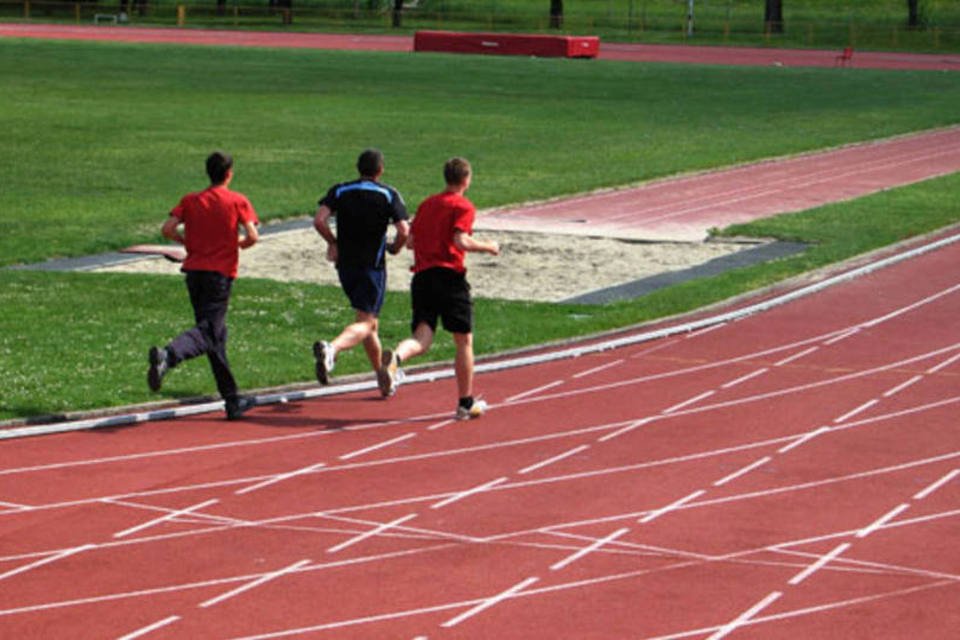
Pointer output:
x,y
773,16
397,12
556,14
913,13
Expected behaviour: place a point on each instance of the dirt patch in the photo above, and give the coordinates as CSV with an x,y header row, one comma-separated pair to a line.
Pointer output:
x,y
532,266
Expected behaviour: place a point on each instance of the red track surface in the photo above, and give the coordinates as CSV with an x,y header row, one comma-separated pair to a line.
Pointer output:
x,y
790,475
608,51
685,208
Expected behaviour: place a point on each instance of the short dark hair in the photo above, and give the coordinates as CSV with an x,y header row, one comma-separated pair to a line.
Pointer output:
x,y
370,163
456,170
218,164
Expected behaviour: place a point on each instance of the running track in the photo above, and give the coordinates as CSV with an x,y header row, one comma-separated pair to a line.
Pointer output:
x,y
791,474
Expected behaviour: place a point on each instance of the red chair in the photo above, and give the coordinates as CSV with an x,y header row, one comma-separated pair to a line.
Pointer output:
x,y
844,58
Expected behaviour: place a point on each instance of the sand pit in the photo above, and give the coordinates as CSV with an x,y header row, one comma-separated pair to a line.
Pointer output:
x,y
532,266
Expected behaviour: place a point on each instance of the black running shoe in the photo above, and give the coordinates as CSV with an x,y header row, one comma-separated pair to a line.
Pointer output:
x,y
158,367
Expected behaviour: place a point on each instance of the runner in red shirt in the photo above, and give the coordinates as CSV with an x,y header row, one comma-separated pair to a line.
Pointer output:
x,y
212,221
441,236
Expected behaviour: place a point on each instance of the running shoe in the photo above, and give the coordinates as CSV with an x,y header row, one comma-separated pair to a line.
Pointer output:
x,y
324,354
388,375
158,367
477,409
239,406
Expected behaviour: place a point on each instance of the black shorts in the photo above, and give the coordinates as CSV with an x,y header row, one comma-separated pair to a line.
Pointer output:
x,y
365,287
442,293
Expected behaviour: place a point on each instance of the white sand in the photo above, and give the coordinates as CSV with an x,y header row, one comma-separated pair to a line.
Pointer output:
x,y
531,266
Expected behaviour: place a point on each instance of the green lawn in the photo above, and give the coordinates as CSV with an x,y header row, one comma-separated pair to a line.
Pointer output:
x,y
102,139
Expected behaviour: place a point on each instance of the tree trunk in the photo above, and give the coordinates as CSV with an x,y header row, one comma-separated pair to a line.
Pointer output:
x,y
773,16
397,12
913,13
556,14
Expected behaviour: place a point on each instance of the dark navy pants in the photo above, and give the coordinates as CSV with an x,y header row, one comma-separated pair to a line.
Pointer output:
x,y
210,297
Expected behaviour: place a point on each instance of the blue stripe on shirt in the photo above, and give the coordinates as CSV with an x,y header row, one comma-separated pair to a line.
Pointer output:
x,y
366,186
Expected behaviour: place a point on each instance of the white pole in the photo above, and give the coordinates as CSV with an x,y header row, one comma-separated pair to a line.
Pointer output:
x,y
689,18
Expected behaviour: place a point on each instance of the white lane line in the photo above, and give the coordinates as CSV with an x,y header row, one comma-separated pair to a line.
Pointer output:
x,y
557,458
653,515
602,367
744,617
588,549
943,365
700,332
893,513
486,604
819,564
900,387
469,492
369,534
252,585
686,403
842,336
533,392
39,563
860,409
279,478
804,438
745,470
796,356
164,518
742,379
139,633
14,506
441,424
381,445
630,427
936,485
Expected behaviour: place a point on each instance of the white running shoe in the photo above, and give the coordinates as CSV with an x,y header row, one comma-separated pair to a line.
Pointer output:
x,y
477,409
325,356
388,375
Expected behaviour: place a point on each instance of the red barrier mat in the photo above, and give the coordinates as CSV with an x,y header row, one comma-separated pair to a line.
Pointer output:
x,y
516,44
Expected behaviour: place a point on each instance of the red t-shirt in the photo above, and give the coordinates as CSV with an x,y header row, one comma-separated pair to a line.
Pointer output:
x,y
438,217
211,220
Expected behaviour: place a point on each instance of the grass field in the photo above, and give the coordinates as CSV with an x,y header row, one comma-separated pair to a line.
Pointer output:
x,y
103,138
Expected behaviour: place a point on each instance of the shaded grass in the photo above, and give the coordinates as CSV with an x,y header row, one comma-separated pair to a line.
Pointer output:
x,y
79,341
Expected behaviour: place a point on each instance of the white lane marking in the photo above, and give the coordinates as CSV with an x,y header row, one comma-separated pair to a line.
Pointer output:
x,y
469,492
139,633
280,478
802,439
164,518
796,356
556,458
630,427
602,367
51,558
890,515
900,387
843,336
744,617
252,585
653,515
441,424
943,365
370,534
819,564
742,379
535,391
745,470
588,549
936,485
686,403
381,445
490,602
866,405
